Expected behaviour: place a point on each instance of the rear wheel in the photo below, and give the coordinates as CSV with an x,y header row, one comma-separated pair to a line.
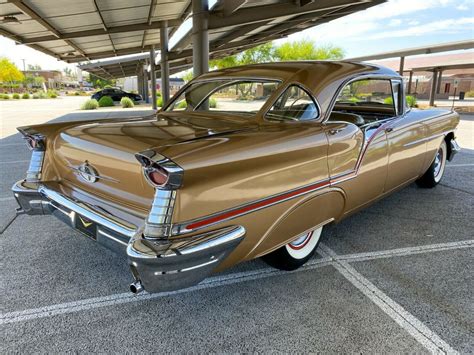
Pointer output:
x,y
293,255
435,172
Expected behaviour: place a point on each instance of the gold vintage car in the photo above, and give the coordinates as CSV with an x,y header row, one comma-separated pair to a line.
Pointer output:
x,y
243,163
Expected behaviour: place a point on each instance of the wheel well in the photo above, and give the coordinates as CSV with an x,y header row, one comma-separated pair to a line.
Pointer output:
x,y
448,138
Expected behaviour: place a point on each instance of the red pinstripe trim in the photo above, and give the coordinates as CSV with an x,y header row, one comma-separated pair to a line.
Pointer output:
x,y
257,205
301,246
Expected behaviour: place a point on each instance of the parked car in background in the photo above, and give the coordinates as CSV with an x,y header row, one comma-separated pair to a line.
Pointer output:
x,y
115,94
243,163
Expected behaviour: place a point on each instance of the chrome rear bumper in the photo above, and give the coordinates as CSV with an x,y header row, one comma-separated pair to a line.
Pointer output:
x,y
158,265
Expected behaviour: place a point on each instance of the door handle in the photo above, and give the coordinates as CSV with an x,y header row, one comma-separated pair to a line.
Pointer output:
x,y
334,131
389,129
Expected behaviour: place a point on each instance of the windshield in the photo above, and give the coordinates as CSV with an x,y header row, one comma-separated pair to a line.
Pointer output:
x,y
229,95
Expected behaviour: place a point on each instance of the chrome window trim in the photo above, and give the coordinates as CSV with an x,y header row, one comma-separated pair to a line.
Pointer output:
x,y
284,88
197,80
351,80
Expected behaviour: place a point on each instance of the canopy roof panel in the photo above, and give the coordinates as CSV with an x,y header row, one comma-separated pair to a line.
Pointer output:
x,y
79,31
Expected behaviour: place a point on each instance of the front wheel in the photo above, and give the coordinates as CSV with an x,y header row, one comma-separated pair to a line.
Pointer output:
x,y
435,172
293,255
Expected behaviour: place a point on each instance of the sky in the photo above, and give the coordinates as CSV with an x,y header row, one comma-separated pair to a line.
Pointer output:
x,y
397,24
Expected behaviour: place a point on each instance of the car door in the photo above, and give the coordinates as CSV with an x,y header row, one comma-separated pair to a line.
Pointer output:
x,y
406,150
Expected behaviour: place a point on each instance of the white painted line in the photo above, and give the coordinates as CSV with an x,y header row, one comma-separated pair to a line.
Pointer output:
x,y
121,298
458,165
7,198
13,144
425,336
15,162
406,251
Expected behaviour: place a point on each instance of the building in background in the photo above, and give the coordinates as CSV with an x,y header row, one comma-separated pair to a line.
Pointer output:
x,y
421,80
131,84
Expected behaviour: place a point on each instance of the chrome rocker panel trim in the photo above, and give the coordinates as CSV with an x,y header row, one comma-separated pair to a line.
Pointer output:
x,y
455,148
160,264
167,265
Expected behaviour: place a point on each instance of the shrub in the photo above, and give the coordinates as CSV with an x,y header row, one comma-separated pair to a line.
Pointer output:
x,y
126,102
212,102
52,94
159,102
411,101
158,94
36,96
42,95
470,93
106,101
183,104
388,101
25,96
77,93
16,96
90,104
5,97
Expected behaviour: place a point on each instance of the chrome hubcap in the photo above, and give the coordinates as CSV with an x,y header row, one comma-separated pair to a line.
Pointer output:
x,y
438,162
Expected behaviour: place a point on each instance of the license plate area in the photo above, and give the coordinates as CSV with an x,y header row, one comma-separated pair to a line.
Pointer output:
x,y
86,226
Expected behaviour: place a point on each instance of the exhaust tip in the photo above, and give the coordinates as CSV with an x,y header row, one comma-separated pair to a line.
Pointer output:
x,y
136,287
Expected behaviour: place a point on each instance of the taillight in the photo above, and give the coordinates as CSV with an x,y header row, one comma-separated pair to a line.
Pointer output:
x,y
158,176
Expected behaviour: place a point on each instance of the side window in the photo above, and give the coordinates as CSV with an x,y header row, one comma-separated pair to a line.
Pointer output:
x,y
295,104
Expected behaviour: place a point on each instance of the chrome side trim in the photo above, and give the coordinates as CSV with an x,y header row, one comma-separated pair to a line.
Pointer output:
x,y
36,166
158,223
421,140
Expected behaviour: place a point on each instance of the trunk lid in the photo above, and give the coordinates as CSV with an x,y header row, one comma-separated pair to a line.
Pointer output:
x,y
100,158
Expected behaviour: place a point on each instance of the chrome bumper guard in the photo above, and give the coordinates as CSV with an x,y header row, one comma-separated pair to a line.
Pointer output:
x,y
455,148
158,265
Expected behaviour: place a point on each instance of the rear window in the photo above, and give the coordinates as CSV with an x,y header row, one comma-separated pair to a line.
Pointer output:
x,y
368,93
242,96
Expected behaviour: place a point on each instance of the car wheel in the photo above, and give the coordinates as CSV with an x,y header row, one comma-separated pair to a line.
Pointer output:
x,y
435,172
293,255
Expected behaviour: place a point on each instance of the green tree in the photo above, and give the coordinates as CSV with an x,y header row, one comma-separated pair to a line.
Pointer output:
x,y
9,73
259,54
188,75
307,50
98,82
34,67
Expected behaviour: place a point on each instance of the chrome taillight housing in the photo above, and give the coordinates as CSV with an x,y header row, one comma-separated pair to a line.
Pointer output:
x,y
161,172
36,142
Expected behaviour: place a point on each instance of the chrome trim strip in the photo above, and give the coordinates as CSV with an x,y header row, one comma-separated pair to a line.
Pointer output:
x,y
427,138
194,267
108,221
36,166
107,235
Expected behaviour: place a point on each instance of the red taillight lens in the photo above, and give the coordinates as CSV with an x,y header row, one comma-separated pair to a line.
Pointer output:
x,y
158,176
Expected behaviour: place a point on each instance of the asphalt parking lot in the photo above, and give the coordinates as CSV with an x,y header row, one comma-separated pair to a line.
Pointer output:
x,y
396,277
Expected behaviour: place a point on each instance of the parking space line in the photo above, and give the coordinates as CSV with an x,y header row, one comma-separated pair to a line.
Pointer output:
x,y
425,336
458,165
7,198
15,162
121,298
13,144
405,251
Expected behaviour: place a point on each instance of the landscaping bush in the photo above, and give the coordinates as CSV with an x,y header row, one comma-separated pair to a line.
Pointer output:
x,y
42,95
106,101
36,96
126,102
212,102
5,97
183,104
77,93
388,101
159,102
470,93
411,101
91,104
52,94
25,96
16,96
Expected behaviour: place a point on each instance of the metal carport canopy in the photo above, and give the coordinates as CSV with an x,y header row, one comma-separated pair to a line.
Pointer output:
x,y
78,31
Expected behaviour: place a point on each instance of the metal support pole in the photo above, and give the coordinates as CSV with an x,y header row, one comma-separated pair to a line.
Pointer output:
x,y
200,37
402,65
165,69
153,77
438,83
410,80
145,84
433,87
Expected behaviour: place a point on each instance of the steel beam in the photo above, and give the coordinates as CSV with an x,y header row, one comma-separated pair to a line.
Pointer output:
x,y
410,80
165,75
438,83
200,37
152,77
402,65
